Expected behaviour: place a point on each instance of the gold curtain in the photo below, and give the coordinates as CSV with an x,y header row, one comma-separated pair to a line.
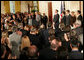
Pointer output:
x,y
38,5
17,6
7,6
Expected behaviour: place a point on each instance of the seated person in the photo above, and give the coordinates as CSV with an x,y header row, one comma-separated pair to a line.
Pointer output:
x,y
34,37
50,52
24,53
32,52
25,42
75,54
62,53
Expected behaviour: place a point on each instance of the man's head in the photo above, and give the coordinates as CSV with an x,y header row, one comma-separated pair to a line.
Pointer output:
x,y
36,13
15,29
33,30
62,26
62,53
74,42
32,52
67,12
54,42
78,12
56,11
63,12
43,14
72,13
77,24
26,28
20,25
51,31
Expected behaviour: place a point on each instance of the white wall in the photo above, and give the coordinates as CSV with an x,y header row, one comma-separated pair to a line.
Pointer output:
x,y
56,5
82,7
12,6
72,5
43,7
24,6
2,7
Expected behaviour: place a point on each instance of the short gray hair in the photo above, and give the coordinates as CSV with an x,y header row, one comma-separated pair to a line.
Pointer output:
x,y
14,28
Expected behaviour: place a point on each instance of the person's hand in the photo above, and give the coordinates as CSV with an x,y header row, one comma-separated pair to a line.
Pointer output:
x,y
66,37
53,22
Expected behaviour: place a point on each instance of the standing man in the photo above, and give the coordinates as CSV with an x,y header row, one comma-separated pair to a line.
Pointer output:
x,y
45,19
15,39
56,19
68,17
37,19
79,16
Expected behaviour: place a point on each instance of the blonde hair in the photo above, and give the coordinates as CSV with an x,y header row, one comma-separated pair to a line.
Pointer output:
x,y
4,34
25,42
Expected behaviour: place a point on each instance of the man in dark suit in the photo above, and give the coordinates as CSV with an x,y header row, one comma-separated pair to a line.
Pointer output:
x,y
63,18
56,19
68,17
51,51
75,54
45,19
79,17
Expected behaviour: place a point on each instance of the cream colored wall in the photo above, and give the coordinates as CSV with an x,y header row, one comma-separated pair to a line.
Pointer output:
x,y
43,7
72,5
82,7
24,6
56,5
2,7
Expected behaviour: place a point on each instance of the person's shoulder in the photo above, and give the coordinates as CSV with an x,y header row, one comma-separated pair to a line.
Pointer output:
x,y
44,50
11,35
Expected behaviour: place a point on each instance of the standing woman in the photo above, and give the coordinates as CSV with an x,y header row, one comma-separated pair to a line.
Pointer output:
x,y
73,18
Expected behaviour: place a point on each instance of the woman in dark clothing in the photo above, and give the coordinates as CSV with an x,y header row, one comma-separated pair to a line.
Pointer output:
x,y
73,18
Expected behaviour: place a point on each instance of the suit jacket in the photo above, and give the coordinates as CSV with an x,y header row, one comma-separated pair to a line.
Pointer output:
x,y
75,55
44,19
56,18
64,19
72,20
68,19
38,18
47,53
79,18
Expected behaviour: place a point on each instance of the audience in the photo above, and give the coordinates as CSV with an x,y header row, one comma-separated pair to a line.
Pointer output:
x,y
62,53
75,54
31,36
25,42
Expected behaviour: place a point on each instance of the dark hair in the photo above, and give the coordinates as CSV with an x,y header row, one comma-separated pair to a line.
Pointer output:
x,y
62,52
63,12
52,37
58,39
68,11
32,52
67,28
56,10
56,42
79,11
3,48
24,53
74,41
51,31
